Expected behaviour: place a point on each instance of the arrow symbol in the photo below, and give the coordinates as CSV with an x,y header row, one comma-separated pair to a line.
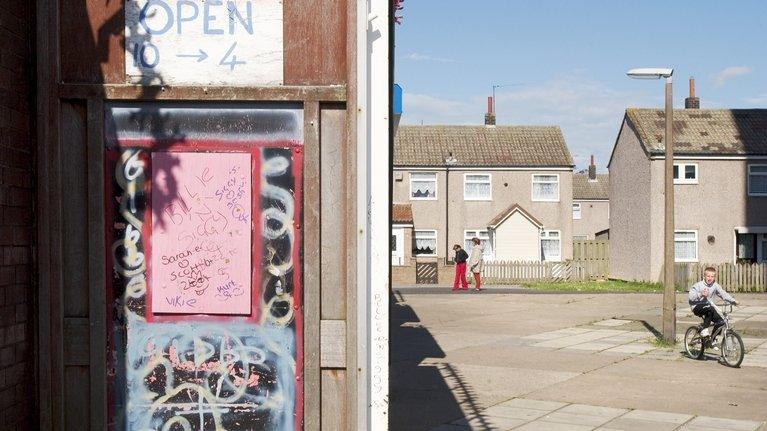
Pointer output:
x,y
200,57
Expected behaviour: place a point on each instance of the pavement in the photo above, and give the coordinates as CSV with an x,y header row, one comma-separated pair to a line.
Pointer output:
x,y
508,358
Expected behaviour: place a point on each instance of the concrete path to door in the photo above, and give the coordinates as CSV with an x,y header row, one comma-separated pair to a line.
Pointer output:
x,y
506,359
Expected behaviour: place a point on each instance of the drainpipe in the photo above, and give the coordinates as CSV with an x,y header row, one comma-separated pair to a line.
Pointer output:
x,y
449,161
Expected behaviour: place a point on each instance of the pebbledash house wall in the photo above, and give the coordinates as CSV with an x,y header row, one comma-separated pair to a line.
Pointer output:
x,y
17,173
631,250
509,186
715,206
594,217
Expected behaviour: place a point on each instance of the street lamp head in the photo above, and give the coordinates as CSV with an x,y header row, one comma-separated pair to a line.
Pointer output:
x,y
650,73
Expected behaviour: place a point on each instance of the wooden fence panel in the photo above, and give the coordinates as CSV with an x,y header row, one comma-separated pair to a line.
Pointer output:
x,y
744,277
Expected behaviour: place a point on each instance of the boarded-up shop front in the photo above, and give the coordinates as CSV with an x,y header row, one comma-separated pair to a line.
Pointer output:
x,y
197,215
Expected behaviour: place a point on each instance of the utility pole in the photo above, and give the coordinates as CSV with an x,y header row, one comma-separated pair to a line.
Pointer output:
x,y
669,290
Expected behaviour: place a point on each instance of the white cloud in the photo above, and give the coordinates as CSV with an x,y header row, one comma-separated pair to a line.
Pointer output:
x,y
588,112
728,73
421,57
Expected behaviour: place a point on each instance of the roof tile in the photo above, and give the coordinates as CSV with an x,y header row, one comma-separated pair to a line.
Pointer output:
x,y
481,146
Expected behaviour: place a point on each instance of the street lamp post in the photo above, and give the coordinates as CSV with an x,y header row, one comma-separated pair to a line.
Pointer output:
x,y
669,298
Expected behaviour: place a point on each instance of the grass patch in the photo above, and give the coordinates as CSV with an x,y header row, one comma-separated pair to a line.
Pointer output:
x,y
611,286
662,343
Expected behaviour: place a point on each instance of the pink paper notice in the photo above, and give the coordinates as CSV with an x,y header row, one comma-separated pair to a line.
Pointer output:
x,y
201,233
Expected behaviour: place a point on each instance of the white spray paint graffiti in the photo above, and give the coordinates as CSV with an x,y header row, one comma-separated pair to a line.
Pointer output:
x,y
189,376
277,309
210,376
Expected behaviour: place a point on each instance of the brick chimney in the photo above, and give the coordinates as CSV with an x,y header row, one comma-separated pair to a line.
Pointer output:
x,y
692,102
490,115
592,170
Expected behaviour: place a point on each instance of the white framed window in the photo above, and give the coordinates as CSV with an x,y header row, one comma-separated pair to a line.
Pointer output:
x,y
477,187
484,242
425,243
685,173
551,245
545,187
757,180
577,211
423,185
686,246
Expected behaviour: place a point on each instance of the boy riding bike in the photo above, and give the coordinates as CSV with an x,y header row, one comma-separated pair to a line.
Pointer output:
x,y
701,297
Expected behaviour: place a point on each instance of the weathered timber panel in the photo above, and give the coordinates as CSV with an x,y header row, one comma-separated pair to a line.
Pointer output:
x,y
76,393
91,41
74,253
334,211
315,42
334,409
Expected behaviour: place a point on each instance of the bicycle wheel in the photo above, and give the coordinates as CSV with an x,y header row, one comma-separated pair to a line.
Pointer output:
x,y
732,349
693,343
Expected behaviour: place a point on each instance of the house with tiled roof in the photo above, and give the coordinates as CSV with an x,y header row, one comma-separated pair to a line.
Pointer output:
x,y
720,189
591,205
509,186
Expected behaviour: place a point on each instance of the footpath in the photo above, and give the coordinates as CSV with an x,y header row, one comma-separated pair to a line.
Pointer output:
x,y
507,358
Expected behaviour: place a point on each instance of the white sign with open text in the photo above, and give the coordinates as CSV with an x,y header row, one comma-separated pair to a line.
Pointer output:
x,y
207,42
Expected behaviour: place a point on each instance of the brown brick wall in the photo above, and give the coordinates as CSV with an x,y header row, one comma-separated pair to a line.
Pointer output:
x,y
16,215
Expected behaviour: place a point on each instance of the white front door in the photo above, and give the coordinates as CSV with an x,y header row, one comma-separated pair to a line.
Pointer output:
x,y
397,246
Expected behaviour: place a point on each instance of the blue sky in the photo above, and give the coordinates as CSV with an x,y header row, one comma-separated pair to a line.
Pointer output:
x,y
564,62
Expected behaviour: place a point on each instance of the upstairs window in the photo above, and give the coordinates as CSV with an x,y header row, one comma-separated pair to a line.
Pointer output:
x,y
423,185
545,188
685,173
757,180
477,187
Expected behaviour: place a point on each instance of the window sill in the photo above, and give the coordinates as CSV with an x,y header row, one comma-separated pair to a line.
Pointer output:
x,y
545,200
478,200
423,199
684,183
686,261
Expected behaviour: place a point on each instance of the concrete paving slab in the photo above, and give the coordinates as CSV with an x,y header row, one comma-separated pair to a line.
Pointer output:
x,y
540,425
514,412
525,403
584,409
546,336
634,348
627,424
485,422
612,322
593,347
649,415
575,419
724,424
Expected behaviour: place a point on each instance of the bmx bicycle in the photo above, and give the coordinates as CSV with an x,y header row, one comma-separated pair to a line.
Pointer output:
x,y
730,348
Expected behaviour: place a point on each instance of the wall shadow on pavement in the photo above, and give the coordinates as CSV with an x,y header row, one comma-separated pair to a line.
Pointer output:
x,y
424,396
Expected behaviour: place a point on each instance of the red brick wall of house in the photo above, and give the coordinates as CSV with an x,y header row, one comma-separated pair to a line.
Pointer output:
x,y
17,180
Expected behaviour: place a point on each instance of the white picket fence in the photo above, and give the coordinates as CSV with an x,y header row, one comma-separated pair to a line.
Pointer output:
x,y
743,277
510,272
